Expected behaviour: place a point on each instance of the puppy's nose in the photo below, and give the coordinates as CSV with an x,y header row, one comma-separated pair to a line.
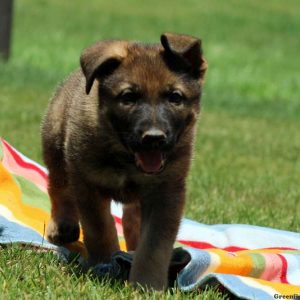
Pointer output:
x,y
154,138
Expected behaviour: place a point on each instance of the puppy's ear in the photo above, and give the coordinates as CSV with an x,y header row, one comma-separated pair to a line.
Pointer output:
x,y
184,51
102,58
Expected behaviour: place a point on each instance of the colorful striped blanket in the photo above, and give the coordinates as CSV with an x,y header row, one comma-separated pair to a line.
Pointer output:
x,y
249,262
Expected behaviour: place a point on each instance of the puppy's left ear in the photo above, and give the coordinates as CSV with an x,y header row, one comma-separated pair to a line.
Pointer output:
x,y
185,51
102,58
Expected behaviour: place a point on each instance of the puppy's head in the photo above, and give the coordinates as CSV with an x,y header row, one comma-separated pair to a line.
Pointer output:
x,y
149,94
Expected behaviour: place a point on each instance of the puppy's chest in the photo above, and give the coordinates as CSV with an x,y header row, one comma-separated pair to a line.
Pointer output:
x,y
112,180
123,186
120,188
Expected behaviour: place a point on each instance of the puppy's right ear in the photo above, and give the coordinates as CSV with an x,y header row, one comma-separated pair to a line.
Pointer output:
x,y
185,51
101,58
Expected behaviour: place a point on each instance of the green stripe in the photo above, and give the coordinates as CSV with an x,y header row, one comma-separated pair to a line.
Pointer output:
x,y
290,251
259,265
1,151
32,195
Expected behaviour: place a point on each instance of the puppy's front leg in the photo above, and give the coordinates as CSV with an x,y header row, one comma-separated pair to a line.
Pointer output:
x,y
99,231
131,222
161,216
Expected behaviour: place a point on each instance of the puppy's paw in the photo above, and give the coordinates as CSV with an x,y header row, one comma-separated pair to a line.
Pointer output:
x,y
62,232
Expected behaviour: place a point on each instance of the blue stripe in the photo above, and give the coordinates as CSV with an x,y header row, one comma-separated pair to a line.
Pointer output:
x,y
200,261
11,232
231,283
223,227
237,287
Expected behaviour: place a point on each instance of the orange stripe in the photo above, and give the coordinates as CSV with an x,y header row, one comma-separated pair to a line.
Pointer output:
x,y
233,263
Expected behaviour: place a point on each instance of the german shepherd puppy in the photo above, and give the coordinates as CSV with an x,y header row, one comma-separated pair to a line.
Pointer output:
x,y
122,127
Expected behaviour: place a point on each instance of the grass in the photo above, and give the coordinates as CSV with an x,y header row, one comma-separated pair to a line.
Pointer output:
x,y
44,277
247,163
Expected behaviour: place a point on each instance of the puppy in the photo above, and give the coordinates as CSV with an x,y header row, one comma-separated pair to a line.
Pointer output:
x,y
122,128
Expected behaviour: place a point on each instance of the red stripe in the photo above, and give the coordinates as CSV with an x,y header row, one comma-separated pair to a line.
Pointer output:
x,y
234,249
280,248
204,245
283,278
118,220
23,163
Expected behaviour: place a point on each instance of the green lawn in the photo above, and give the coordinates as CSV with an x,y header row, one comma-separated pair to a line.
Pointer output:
x,y
247,163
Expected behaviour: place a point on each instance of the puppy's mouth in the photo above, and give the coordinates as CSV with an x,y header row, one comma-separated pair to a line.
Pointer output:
x,y
151,161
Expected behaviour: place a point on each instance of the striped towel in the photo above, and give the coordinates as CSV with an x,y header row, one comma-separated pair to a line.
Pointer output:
x,y
249,262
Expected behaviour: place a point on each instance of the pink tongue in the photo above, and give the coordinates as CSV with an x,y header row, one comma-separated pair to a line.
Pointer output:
x,y
150,161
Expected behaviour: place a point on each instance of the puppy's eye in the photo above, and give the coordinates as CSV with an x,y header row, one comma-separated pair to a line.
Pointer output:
x,y
128,97
176,97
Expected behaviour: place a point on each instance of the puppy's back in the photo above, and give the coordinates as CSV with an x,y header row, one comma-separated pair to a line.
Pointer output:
x,y
55,120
